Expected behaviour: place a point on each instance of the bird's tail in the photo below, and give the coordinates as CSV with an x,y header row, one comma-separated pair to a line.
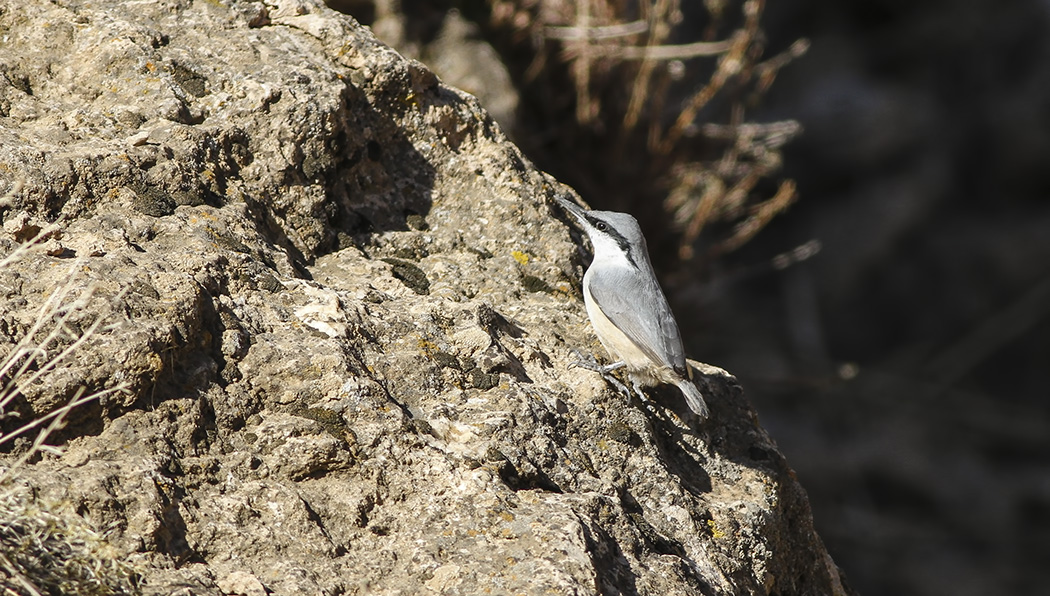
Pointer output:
x,y
693,398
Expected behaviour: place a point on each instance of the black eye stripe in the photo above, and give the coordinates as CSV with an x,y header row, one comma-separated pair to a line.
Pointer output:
x,y
610,231
598,224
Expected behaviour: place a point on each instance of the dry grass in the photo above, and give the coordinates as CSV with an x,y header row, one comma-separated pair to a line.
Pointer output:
x,y
45,548
639,80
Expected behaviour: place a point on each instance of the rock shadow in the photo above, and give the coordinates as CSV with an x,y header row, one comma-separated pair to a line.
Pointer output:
x,y
680,458
364,163
376,180
732,431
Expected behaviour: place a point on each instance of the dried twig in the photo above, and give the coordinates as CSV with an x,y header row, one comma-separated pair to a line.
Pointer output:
x,y
709,171
761,215
698,49
597,33
586,110
659,30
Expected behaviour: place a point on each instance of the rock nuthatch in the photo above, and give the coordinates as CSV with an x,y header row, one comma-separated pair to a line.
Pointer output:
x,y
628,310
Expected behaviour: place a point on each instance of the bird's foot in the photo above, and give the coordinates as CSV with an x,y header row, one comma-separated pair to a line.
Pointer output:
x,y
638,391
588,362
642,397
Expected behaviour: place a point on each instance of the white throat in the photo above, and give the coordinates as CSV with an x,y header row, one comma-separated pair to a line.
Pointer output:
x,y
607,253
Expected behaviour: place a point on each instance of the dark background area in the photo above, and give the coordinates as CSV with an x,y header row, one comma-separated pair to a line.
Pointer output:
x,y
903,369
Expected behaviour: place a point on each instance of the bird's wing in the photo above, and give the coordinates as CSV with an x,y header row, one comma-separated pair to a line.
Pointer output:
x,y
635,303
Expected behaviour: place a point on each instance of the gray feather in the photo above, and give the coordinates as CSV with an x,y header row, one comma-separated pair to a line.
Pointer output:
x,y
693,398
649,323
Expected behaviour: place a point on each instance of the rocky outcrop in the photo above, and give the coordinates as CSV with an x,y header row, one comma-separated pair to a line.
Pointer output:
x,y
340,312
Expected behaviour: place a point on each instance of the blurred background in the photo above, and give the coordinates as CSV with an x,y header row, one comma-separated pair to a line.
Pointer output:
x,y
847,204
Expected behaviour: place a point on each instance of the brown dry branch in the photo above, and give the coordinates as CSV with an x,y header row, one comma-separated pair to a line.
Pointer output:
x,y
697,49
802,252
596,33
761,214
707,158
586,108
729,65
766,72
659,30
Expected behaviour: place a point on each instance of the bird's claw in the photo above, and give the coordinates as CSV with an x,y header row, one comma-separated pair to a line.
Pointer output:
x,y
586,362
589,362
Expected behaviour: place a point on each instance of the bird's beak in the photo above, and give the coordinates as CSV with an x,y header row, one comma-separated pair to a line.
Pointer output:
x,y
572,208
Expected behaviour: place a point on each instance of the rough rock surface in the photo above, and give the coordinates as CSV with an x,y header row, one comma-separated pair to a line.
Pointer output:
x,y
345,311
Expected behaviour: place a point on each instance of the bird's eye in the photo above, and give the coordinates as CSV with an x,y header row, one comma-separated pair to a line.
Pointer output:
x,y
601,226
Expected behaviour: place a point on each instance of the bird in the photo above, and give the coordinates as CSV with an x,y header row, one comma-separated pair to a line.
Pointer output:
x,y
628,310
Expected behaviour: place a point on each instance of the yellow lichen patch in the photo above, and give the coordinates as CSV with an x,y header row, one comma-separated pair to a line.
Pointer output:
x,y
520,257
427,347
715,532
